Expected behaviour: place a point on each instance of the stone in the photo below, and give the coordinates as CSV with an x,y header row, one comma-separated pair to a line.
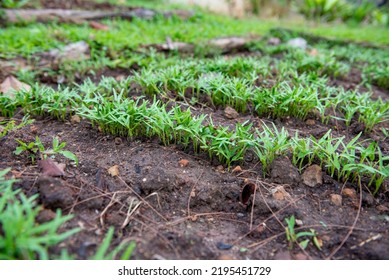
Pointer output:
x,y
299,223
75,119
118,141
312,176
274,41
279,193
348,192
336,199
310,122
231,113
183,163
298,43
220,168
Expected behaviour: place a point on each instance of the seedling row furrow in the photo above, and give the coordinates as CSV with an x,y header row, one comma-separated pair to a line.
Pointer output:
x,y
118,115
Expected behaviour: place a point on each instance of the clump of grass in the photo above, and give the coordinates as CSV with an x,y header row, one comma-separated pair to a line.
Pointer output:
x,y
22,237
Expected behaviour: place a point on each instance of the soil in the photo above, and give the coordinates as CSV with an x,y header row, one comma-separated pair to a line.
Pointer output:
x,y
178,205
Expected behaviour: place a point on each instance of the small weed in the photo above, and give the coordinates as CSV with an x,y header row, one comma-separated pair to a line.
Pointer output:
x,y
294,237
36,149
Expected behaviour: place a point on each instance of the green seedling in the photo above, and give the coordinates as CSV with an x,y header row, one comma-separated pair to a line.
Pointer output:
x,y
22,237
36,149
269,144
124,248
294,237
13,4
8,126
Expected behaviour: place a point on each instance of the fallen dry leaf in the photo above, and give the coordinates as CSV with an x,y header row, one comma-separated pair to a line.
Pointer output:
x,y
50,168
113,170
237,169
11,85
73,52
98,26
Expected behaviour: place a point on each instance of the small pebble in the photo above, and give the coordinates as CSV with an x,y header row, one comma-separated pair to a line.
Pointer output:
x,y
118,140
336,199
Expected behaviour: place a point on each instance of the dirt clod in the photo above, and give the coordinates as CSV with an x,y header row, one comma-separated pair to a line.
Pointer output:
x,y
283,172
45,216
50,168
54,193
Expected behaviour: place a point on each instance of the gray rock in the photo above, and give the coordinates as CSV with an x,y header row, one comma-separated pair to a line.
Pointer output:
x,y
298,43
274,41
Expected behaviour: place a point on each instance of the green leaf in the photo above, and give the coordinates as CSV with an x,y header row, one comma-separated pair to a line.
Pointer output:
x,y
19,150
69,155
317,243
304,233
128,252
100,254
303,244
55,143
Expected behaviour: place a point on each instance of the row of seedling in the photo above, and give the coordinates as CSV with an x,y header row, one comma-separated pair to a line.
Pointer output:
x,y
345,161
296,97
118,115
121,116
